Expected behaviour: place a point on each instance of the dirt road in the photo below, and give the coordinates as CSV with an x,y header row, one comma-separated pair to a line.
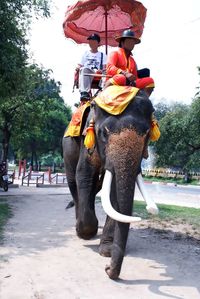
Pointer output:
x,y
42,258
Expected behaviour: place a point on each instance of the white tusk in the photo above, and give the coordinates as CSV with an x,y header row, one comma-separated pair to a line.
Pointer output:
x,y
151,206
105,199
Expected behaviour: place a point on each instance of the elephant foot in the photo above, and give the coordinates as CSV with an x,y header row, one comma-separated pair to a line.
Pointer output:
x,y
112,273
87,225
86,234
87,231
70,205
105,249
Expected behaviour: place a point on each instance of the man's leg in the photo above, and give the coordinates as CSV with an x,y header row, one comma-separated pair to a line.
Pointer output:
x,y
147,84
84,80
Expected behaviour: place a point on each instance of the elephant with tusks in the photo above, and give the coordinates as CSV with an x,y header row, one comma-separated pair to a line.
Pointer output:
x,y
112,166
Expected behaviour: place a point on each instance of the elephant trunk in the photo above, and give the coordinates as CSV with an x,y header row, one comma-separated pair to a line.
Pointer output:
x,y
123,157
124,153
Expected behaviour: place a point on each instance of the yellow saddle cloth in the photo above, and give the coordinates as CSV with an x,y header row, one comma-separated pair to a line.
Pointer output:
x,y
114,99
74,127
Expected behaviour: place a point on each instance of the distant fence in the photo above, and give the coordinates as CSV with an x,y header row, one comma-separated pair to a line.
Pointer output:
x,y
163,173
42,178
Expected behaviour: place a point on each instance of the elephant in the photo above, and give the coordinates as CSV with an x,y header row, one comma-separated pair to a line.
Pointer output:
x,y
113,165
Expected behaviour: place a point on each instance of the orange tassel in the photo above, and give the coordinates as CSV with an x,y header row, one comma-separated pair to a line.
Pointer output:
x,y
89,140
154,131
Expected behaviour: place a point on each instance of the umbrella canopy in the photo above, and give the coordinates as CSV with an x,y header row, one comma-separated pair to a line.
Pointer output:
x,y
108,18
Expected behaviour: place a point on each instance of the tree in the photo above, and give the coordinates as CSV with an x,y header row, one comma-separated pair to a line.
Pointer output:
x,y
169,148
39,121
44,131
15,16
179,144
192,139
27,112
161,110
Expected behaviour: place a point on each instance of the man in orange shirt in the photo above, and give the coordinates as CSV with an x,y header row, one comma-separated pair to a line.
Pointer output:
x,y
122,62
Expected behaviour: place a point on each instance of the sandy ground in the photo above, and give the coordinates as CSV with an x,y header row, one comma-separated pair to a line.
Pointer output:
x,y
42,258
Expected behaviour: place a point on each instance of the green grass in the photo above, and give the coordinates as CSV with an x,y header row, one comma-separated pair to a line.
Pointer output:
x,y
5,213
171,180
174,214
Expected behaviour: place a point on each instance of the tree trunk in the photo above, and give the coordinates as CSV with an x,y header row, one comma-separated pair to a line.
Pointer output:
x,y
187,178
5,142
34,160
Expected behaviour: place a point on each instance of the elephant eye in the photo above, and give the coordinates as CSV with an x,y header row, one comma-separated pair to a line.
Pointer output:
x,y
103,134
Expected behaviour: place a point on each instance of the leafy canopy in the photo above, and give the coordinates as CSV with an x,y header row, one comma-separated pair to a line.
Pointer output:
x,y
179,144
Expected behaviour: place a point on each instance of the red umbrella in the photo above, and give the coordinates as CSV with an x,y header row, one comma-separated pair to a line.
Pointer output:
x,y
108,18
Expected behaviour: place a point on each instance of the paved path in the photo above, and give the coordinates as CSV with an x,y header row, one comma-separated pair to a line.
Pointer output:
x,y
42,258
186,196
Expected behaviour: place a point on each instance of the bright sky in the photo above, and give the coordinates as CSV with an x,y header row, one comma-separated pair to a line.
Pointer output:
x,y
170,47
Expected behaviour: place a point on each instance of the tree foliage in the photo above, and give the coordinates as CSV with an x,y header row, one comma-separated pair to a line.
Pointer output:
x,y
15,17
161,110
169,147
179,144
38,119
32,114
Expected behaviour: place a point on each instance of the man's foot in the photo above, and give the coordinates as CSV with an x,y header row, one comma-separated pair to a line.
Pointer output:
x,y
85,96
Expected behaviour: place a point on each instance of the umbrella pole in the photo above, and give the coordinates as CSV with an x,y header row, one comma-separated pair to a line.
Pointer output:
x,y
106,30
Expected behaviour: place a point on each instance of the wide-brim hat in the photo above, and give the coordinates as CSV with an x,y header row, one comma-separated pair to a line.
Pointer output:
x,y
128,34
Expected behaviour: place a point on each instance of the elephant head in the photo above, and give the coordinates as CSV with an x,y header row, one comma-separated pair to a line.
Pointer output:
x,y
120,143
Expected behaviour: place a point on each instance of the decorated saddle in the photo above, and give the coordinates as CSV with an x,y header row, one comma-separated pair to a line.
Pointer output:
x,y
74,127
114,100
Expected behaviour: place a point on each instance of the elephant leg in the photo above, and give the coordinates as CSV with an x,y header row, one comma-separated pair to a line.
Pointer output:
x,y
73,190
71,147
87,176
121,230
106,242
118,250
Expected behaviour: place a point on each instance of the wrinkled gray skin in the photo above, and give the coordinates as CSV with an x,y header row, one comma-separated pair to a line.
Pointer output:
x,y
120,142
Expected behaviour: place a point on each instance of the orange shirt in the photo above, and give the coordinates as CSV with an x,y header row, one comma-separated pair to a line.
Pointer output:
x,y
117,62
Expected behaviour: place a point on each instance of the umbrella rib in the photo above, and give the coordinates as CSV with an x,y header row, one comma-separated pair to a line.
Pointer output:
x,y
90,24
113,26
102,24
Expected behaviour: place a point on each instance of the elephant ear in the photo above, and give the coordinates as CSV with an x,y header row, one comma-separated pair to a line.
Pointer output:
x,y
144,105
